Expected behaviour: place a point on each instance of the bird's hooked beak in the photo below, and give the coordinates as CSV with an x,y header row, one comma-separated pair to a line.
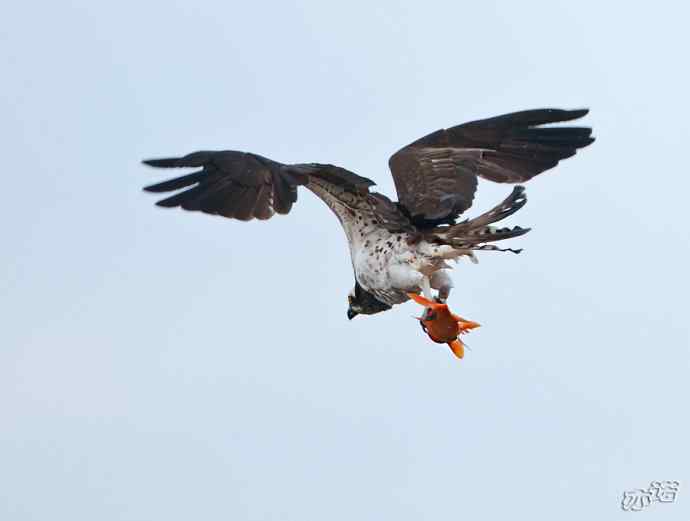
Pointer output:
x,y
351,313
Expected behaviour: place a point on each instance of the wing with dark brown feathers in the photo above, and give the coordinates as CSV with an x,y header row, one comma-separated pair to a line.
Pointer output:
x,y
241,185
436,176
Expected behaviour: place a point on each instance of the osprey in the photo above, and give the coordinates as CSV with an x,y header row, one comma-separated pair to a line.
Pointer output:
x,y
399,247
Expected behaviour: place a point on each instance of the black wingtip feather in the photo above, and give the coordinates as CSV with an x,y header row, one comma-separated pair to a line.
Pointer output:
x,y
528,118
195,159
176,183
544,116
575,114
166,162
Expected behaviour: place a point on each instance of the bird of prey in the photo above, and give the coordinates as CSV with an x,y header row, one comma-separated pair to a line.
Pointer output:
x,y
399,247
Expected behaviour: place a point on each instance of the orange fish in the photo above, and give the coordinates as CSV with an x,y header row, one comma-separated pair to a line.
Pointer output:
x,y
442,326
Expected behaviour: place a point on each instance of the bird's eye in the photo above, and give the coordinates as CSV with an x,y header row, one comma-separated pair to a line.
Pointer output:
x,y
349,299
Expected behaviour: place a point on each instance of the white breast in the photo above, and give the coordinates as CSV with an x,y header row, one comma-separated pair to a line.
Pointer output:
x,y
384,263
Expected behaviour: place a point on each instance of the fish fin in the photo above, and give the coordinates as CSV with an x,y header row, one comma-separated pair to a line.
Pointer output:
x,y
424,301
467,325
457,347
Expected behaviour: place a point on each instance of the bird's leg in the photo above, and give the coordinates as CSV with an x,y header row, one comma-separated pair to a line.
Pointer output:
x,y
426,291
426,287
441,281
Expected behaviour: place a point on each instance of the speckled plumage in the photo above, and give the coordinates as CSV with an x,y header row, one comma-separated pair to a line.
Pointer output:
x,y
395,247
387,264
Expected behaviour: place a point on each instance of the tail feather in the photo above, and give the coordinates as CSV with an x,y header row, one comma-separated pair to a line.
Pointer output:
x,y
493,247
511,204
473,234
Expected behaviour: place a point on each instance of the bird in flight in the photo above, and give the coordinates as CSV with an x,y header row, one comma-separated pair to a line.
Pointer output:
x,y
399,247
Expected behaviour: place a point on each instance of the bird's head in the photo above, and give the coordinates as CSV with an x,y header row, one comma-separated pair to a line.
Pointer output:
x,y
361,302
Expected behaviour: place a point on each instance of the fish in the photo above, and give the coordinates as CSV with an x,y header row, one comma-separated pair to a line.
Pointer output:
x,y
443,326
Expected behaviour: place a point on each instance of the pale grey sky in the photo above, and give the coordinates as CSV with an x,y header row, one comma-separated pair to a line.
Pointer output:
x,y
137,381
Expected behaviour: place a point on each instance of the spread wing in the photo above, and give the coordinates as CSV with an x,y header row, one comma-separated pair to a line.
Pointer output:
x,y
436,176
244,186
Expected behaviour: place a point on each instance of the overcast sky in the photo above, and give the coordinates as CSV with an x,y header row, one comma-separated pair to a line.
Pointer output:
x,y
162,365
